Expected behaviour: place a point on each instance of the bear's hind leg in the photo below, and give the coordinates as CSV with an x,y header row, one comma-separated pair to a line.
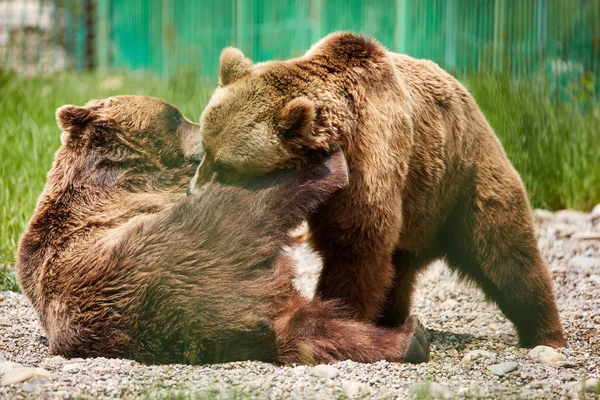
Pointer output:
x,y
318,332
491,241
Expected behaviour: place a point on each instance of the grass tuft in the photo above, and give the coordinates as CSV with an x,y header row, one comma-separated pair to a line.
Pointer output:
x,y
8,279
554,146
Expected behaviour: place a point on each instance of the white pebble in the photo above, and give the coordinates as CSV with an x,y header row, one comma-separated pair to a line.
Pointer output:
x,y
584,262
22,374
545,355
6,365
477,354
71,368
592,385
353,389
325,371
503,368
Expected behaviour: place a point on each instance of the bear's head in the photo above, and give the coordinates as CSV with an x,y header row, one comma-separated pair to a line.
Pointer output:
x,y
123,135
257,122
279,114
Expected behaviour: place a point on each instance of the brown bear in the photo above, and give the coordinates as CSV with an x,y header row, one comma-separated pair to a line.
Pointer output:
x,y
428,177
118,262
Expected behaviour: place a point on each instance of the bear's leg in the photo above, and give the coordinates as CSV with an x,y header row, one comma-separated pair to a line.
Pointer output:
x,y
318,332
357,271
490,240
356,232
398,303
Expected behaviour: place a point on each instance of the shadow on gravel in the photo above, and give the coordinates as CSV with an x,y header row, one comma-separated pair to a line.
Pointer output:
x,y
458,341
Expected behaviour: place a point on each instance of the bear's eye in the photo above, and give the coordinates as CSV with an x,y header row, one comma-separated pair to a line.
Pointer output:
x,y
176,117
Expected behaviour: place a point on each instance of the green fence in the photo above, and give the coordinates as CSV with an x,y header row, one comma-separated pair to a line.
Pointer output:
x,y
557,41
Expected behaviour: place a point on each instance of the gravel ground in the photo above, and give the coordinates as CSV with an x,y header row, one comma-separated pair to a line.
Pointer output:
x,y
473,347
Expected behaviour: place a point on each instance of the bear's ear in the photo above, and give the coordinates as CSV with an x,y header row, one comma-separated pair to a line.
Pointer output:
x,y
234,65
295,119
73,120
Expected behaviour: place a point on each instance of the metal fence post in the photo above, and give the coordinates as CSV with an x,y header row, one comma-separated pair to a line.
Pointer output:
x,y
450,34
103,34
401,26
499,34
316,10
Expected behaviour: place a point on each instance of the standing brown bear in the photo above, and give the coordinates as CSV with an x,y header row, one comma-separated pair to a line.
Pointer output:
x,y
118,262
428,177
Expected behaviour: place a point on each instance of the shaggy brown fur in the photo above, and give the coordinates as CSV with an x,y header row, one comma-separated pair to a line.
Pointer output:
x,y
118,262
429,178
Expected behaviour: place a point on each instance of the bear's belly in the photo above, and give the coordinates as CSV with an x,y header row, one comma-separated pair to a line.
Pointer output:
x,y
422,222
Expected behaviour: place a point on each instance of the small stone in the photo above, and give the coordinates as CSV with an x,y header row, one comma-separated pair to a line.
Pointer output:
x,y
325,371
22,374
596,211
452,352
300,369
6,365
538,384
352,389
584,262
587,236
503,368
42,339
592,385
71,368
28,387
449,304
570,216
54,359
476,354
482,320
430,390
546,355
543,215
1,298
564,230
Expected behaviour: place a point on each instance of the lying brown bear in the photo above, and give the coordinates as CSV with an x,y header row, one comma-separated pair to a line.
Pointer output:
x,y
118,262
429,178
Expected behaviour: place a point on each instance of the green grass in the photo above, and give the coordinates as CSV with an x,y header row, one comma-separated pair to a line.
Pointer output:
x,y
555,148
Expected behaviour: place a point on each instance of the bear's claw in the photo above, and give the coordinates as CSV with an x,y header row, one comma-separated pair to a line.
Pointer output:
x,y
418,348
